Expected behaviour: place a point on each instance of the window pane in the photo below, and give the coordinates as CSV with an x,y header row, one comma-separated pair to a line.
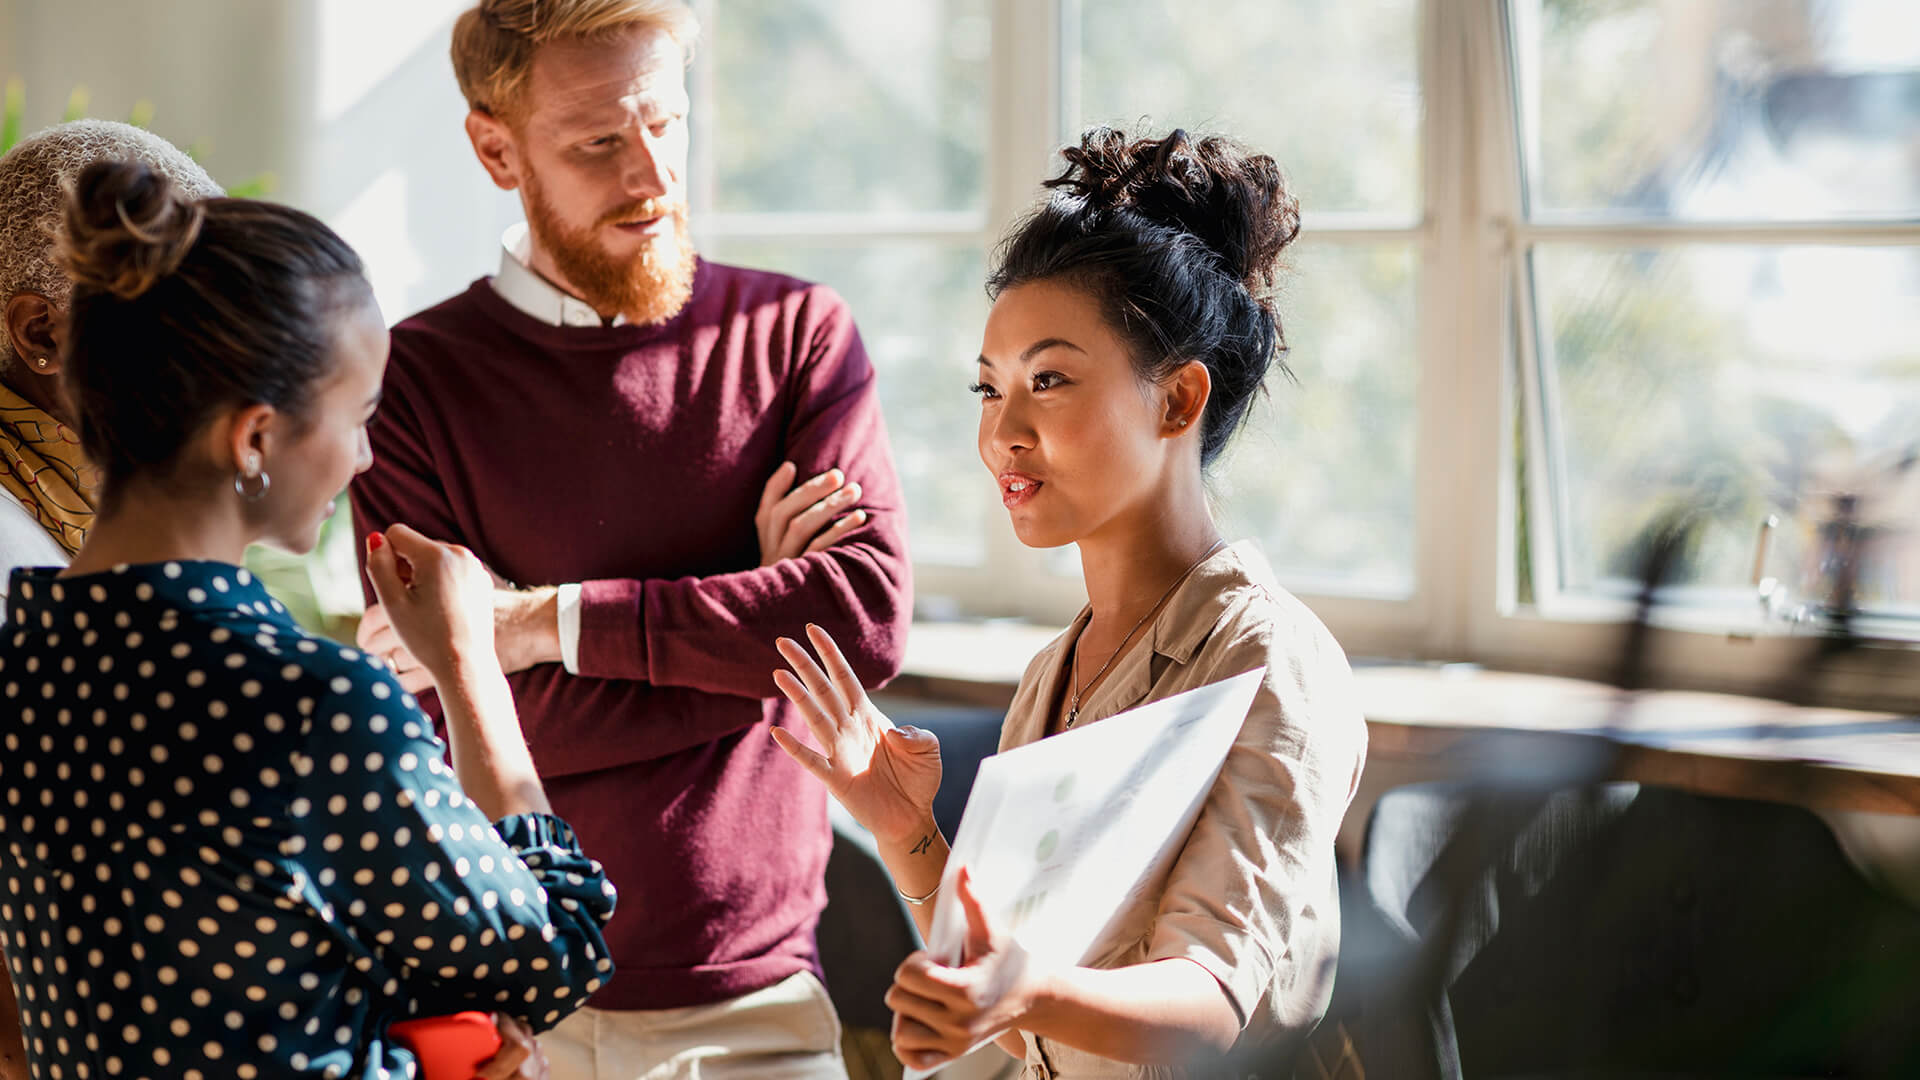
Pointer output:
x,y
923,341
847,105
1323,473
1331,90
1734,381
1785,110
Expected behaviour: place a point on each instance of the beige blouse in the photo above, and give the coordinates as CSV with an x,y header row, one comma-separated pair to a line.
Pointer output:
x,y
1252,896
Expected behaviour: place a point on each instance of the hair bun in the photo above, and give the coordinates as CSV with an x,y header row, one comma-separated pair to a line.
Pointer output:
x,y
1233,200
513,16
127,227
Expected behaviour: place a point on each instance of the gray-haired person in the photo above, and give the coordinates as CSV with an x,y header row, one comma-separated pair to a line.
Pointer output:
x,y
46,485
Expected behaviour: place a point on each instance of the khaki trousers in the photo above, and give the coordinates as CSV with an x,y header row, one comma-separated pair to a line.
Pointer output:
x,y
788,1031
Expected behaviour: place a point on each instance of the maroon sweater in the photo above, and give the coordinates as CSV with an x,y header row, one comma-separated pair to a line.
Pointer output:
x,y
630,460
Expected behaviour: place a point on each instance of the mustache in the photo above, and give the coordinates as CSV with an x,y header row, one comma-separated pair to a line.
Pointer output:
x,y
643,210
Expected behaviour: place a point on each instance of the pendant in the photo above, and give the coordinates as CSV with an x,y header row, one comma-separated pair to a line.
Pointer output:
x,y
1072,715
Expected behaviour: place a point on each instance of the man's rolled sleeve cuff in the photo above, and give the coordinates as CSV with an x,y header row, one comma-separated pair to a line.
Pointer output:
x,y
612,644
569,605
1230,955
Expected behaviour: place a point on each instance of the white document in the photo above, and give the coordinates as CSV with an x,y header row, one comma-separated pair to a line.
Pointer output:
x,y
1058,834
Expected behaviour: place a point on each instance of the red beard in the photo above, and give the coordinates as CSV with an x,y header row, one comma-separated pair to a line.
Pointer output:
x,y
649,288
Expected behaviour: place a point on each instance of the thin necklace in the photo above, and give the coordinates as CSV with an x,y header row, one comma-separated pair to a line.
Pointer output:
x,y
1073,711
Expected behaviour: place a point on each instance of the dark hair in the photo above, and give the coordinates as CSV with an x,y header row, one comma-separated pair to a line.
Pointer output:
x,y
181,308
1179,240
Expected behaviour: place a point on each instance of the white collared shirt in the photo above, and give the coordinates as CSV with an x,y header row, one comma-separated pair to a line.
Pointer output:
x,y
520,285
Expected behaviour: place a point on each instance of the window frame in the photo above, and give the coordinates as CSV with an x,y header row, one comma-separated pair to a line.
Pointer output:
x,y
1579,634
1481,382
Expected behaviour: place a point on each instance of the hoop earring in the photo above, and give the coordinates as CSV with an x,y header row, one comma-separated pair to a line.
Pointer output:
x,y
240,485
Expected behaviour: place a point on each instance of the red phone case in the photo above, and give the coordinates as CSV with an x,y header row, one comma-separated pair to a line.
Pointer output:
x,y
449,1047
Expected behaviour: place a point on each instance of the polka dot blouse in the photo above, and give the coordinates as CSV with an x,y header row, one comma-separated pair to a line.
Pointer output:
x,y
229,848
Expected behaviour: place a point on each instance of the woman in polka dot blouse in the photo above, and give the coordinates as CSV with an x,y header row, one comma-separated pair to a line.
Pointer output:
x,y
229,848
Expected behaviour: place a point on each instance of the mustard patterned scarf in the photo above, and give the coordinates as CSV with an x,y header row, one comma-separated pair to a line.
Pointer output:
x,y
46,470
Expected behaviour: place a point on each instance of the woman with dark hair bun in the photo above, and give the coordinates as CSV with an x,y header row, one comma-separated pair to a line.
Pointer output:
x,y
1133,325
229,848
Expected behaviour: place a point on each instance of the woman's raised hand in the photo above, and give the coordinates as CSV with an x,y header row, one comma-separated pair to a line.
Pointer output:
x,y
437,599
885,776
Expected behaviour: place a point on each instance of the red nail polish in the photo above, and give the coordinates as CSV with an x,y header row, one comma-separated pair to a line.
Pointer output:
x,y
374,541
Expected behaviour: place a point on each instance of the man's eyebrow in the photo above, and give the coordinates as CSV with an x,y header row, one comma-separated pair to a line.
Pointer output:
x,y
591,116
614,112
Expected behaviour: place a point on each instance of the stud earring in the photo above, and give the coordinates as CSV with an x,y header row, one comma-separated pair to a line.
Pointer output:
x,y
43,361
1183,421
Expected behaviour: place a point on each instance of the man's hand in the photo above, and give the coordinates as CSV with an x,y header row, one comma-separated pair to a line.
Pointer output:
x,y
794,521
526,627
526,632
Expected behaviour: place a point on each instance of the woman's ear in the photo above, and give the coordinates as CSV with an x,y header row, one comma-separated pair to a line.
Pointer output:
x,y
36,326
1187,390
249,442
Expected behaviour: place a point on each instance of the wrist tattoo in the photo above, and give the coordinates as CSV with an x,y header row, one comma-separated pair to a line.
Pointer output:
x,y
925,845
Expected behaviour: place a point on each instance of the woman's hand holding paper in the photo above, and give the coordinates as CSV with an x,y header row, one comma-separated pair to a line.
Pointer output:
x,y
885,776
941,1011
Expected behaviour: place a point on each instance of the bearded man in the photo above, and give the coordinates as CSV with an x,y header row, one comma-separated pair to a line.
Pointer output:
x,y
618,425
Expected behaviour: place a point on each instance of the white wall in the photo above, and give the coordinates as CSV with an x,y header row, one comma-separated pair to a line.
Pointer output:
x,y
351,104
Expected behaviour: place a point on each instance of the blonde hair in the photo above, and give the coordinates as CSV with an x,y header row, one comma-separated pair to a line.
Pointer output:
x,y
494,41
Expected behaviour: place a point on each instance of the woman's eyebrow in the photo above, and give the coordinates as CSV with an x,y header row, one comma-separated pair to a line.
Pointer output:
x,y
1036,349
1044,344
